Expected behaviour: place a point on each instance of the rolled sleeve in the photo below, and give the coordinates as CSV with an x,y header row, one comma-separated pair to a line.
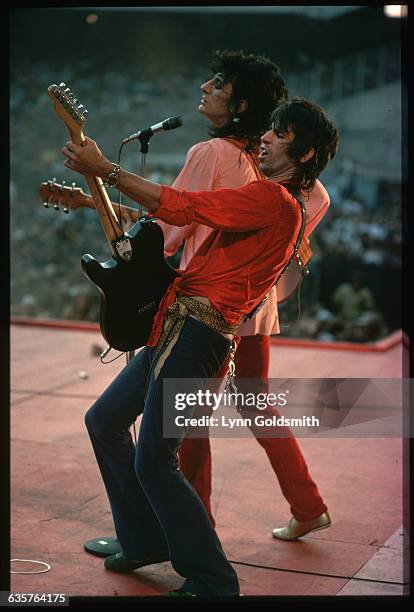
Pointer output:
x,y
175,207
235,210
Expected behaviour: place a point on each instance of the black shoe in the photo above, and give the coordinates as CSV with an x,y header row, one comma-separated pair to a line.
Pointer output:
x,y
183,593
180,593
118,563
103,547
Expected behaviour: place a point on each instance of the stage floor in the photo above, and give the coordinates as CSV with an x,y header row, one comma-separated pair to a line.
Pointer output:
x,y
58,500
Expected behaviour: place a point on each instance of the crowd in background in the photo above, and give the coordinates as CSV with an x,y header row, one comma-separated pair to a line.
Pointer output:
x,y
358,237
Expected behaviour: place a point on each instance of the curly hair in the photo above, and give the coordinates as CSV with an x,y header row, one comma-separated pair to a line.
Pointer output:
x,y
256,79
313,129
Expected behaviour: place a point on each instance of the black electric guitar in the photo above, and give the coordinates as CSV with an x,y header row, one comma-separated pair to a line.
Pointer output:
x,y
133,281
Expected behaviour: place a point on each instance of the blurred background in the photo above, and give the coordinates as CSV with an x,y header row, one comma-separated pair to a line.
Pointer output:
x,y
133,67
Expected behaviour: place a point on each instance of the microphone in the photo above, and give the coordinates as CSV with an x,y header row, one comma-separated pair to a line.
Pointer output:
x,y
168,124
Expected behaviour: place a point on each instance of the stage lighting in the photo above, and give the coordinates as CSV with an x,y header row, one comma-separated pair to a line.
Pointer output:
x,y
92,18
396,10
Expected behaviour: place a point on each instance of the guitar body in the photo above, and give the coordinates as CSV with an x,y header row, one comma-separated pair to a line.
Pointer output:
x,y
292,277
130,291
289,282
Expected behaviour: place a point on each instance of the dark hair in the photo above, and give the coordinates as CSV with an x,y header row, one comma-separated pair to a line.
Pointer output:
x,y
255,79
313,129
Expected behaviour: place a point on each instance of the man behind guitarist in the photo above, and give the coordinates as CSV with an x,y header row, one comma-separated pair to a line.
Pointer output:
x,y
156,511
237,101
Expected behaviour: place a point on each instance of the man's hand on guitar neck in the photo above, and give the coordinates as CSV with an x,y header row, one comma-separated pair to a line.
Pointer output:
x,y
88,159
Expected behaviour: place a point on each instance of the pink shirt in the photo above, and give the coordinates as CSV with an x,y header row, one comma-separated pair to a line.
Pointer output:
x,y
216,164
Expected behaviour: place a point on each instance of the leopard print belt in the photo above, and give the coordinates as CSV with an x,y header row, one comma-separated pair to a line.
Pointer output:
x,y
177,312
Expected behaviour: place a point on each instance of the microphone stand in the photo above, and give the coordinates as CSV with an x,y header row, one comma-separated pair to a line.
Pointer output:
x,y
144,140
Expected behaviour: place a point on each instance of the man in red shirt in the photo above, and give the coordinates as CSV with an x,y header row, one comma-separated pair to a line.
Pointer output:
x,y
157,513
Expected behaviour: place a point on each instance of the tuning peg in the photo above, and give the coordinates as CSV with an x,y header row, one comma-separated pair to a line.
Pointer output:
x,y
56,206
80,107
84,112
46,204
62,84
62,185
73,187
66,210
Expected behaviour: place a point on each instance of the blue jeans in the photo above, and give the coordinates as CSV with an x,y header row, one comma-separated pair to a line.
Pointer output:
x,y
156,511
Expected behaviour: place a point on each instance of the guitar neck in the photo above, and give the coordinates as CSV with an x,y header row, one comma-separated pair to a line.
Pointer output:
x,y
105,210
66,107
127,212
102,203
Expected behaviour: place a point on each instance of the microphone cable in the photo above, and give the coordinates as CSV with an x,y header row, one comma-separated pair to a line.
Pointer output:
x,y
119,192
143,160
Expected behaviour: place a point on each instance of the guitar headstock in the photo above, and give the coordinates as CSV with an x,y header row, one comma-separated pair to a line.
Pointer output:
x,y
61,195
68,109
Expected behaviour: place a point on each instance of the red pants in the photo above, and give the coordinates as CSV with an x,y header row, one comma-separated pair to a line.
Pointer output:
x,y
285,456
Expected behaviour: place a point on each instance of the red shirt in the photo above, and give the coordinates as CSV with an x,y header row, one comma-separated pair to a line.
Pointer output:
x,y
256,227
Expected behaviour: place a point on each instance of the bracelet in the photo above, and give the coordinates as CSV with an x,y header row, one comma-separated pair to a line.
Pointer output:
x,y
113,177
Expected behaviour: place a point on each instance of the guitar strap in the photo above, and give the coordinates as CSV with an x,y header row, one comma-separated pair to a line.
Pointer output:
x,y
296,194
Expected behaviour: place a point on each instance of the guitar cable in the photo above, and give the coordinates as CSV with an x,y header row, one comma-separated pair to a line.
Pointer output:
x,y
105,352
